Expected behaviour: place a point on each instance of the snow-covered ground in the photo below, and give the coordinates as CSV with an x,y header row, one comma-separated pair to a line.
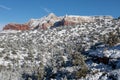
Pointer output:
x,y
22,53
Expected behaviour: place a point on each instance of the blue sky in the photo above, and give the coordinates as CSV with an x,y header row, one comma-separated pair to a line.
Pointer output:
x,y
20,11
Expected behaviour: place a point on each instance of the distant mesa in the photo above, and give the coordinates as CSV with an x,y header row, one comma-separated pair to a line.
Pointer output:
x,y
16,27
52,20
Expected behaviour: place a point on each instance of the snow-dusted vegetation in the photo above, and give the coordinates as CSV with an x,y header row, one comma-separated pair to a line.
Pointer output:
x,y
88,51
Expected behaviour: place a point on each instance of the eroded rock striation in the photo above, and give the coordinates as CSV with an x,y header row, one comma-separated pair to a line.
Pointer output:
x,y
16,27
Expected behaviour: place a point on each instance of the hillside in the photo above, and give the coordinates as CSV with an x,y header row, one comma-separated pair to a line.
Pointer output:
x,y
86,49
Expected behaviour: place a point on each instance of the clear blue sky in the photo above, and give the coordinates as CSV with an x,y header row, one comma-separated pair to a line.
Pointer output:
x,y
20,11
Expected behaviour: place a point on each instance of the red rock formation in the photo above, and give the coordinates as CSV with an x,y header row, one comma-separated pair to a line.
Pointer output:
x,y
71,21
44,26
68,23
47,25
16,27
50,21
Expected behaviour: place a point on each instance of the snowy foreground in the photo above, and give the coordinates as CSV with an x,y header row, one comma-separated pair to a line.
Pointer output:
x,y
89,51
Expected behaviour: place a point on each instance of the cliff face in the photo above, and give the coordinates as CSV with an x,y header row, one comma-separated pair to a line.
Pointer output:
x,y
55,21
76,20
16,27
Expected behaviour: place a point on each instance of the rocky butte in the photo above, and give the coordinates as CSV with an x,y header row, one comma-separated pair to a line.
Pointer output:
x,y
16,27
52,20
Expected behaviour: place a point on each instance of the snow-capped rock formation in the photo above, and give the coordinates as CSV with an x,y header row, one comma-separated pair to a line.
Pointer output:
x,y
44,22
52,21
68,20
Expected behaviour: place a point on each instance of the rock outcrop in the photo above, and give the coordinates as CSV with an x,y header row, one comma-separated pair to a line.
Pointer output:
x,y
53,21
76,20
16,27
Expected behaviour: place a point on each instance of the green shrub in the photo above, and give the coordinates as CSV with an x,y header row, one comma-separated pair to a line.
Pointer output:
x,y
7,57
1,55
13,52
78,60
81,72
40,72
112,39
